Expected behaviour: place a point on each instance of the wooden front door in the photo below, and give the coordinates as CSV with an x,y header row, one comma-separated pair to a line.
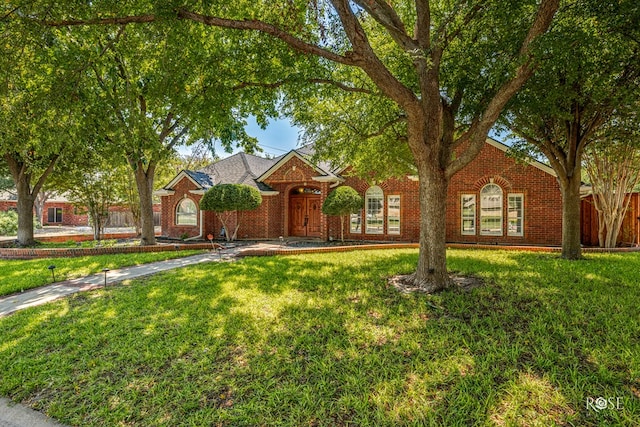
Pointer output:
x,y
304,215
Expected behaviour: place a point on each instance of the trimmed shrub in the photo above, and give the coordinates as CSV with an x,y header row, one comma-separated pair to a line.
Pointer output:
x,y
8,223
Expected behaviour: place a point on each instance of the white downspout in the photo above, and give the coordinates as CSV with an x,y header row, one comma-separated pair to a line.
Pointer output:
x,y
199,236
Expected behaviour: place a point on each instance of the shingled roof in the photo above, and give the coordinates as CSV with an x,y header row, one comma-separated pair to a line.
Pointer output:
x,y
240,168
243,168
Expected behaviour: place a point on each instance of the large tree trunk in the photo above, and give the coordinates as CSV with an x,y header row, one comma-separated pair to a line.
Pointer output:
x,y
431,273
26,194
144,183
570,188
25,215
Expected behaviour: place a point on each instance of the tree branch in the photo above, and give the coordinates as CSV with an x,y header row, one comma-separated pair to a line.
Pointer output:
x,y
123,20
422,31
544,16
468,17
272,30
384,14
276,85
386,126
369,61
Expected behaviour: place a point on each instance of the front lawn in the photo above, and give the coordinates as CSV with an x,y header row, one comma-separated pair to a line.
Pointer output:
x,y
20,275
320,340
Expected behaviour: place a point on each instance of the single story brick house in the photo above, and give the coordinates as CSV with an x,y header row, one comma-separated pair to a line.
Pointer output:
x,y
494,200
60,211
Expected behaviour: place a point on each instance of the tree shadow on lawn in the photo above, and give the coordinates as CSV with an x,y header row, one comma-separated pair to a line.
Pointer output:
x,y
322,340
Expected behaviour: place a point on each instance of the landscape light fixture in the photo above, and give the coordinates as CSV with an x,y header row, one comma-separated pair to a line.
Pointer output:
x,y
53,273
105,270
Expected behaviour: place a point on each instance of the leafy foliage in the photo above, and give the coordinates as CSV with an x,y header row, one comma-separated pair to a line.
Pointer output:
x,y
231,197
342,201
8,223
591,59
224,199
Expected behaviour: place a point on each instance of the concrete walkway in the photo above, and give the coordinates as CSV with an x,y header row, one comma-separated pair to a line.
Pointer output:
x,y
48,293
17,415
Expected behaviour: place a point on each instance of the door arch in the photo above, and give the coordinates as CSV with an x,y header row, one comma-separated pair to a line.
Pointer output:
x,y
305,218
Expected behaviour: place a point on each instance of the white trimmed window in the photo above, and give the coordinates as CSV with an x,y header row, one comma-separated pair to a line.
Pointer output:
x,y
491,210
393,214
515,215
355,222
374,205
186,213
468,209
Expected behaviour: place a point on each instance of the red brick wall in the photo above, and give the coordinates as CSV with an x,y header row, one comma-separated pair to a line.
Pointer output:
x,y
542,199
70,215
169,205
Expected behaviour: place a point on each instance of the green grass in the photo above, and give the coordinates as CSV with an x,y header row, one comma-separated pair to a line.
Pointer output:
x,y
20,275
320,340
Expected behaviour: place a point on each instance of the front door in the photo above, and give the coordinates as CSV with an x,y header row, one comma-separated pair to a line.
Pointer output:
x,y
304,215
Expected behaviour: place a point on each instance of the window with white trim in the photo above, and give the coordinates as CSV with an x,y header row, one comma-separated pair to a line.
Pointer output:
x,y
374,206
515,215
468,212
355,222
491,210
186,213
393,214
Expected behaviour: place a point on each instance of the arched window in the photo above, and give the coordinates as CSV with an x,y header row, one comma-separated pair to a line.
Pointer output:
x,y
186,213
374,205
491,210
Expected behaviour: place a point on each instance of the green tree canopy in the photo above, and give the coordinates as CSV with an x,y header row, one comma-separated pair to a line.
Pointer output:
x,y
448,68
224,199
40,116
588,77
341,202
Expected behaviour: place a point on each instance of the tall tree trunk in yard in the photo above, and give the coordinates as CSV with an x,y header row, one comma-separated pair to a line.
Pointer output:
x,y
431,273
26,193
144,182
25,215
570,189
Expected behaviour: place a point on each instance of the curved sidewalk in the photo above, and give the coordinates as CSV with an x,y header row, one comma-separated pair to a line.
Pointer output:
x,y
48,293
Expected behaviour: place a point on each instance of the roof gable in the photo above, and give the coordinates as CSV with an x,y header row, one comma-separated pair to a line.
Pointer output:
x,y
179,177
281,161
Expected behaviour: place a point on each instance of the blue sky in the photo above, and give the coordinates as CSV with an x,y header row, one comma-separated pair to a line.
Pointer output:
x,y
278,138
281,136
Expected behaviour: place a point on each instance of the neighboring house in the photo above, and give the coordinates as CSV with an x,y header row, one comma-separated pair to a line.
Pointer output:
x,y
630,231
493,200
58,210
